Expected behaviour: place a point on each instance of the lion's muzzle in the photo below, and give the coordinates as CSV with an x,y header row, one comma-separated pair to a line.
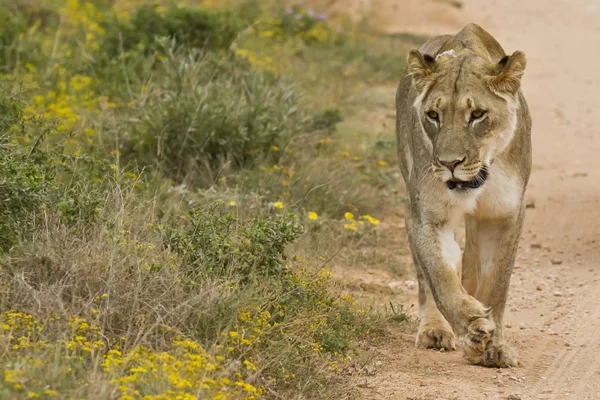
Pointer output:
x,y
474,183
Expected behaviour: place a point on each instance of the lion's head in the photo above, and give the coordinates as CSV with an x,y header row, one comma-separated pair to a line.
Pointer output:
x,y
467,109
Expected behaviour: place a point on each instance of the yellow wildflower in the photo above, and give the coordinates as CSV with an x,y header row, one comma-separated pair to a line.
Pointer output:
x,y
278,204
12,375
372,220
250,365
383,163
312,215
232,203
349,216
351,226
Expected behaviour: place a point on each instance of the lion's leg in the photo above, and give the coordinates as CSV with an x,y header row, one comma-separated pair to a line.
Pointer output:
x,y
470,263
437,257
434,331
498,243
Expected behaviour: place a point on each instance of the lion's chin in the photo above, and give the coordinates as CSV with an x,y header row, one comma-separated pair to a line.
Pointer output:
x,y
475,183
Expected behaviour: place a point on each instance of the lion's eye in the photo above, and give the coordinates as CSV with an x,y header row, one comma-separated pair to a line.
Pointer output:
x,y
477,114
433,115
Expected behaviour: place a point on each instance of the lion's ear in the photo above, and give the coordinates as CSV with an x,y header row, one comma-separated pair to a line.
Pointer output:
x,y
422,69
507,74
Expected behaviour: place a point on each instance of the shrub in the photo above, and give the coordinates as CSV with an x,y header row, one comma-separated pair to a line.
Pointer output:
x,y
18,25
328,119
202,112
26,181
216,243
201,28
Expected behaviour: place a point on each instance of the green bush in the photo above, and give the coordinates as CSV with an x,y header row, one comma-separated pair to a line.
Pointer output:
x,y
26,181
202,112
327,120
191,27
16,45
218,243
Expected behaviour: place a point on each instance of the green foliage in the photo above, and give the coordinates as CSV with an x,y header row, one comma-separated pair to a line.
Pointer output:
x,y
24,189
26,181
15,47
202,112
333,337
81,194
218,243
201,28
328,119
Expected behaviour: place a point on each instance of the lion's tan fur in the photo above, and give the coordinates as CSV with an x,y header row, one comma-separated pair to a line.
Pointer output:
x,y
453,78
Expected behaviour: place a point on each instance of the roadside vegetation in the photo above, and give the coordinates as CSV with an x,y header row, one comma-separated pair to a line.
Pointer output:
x,y
176,182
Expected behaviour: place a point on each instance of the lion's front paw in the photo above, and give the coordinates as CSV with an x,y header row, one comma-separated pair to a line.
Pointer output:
x,y
475,342
435,334
481,348
499,355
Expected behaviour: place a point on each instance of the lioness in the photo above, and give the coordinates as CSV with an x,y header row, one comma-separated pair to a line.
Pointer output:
x,y
464,148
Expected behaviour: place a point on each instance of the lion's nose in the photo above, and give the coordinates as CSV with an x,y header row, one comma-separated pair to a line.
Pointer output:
x,y
451,165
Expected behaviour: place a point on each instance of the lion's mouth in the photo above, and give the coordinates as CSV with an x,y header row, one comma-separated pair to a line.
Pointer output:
x,y
474,183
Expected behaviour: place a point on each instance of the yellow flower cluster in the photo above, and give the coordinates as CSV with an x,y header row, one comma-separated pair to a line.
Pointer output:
x,y
319,33
258,61
274,31
185,370
71,100
352,224
84,17
182,372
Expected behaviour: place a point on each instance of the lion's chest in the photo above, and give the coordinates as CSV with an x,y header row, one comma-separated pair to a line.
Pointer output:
x,y
502,195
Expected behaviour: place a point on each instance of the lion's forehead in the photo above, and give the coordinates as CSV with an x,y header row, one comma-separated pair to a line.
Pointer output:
x,y
459,83
461,101
464,71
464,94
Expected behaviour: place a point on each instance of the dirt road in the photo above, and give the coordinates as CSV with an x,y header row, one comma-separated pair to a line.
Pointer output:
x,y
553,315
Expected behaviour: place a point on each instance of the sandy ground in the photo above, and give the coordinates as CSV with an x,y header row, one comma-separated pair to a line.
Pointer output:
x,y
553,312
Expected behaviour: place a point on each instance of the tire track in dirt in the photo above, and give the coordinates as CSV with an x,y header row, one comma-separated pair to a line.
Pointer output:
x,y
576,365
